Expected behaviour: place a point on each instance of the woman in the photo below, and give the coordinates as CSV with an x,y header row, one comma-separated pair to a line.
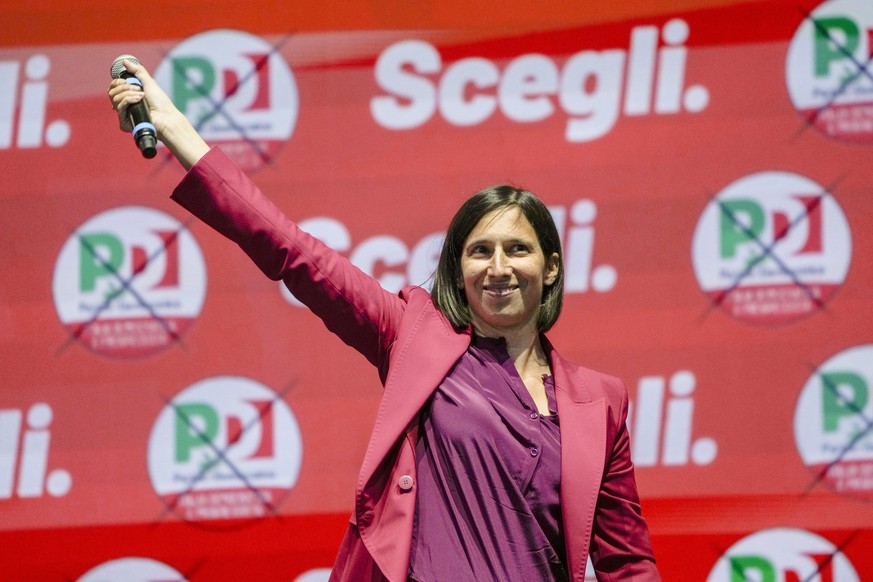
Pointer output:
x,y
491,457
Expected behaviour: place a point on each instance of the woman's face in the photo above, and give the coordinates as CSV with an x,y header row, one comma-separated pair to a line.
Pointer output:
x,y
504,271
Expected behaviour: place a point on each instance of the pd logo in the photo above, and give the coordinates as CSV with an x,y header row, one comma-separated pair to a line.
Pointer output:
x,y
778,554
832,422
772,247
129,282
132,570
237,90
225,448
829,69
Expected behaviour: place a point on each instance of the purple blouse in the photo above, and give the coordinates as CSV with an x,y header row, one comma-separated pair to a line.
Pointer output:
x,y
488,469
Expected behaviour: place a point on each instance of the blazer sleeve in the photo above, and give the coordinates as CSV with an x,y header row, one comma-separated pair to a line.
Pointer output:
x,y
620,545
351,304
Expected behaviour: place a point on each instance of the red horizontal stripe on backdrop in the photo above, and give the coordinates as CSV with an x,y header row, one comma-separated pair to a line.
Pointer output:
x,y
284,548
269,549
83,21
741,23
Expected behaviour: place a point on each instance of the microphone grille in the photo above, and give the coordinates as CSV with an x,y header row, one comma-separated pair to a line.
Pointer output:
x,y
118,69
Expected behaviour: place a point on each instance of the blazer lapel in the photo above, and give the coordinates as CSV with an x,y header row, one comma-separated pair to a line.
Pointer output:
x,y
415,373
583,457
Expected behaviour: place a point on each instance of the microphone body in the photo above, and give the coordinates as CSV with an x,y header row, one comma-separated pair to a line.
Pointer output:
x,y
144,133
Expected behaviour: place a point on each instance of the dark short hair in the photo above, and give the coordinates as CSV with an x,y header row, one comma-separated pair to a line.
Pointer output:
x,y
450,298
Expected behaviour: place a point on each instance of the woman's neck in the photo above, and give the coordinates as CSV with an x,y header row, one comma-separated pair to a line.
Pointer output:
x,y
530,361
523,346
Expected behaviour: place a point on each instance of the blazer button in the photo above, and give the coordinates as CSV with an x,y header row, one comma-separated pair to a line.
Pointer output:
x,y
405,483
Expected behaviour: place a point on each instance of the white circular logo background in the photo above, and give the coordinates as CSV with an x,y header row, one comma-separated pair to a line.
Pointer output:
x,y
317,575
132,570
829,72
774,554
772,247
225,448
832,422
237,90
129,282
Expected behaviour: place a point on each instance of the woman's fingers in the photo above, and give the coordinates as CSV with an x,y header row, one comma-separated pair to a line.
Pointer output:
x,y
122,95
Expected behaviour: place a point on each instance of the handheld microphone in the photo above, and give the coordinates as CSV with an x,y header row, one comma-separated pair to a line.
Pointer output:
x,y
144,133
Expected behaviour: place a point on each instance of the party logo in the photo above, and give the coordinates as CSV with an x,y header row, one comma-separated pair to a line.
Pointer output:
x,y
237,90
829,72
132,570
833,422
783,554
771,248
129,282
225,448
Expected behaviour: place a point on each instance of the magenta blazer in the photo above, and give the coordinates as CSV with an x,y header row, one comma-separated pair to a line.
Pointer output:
x,y
414,346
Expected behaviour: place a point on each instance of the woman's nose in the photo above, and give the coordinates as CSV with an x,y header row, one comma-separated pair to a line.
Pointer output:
x,y
499,266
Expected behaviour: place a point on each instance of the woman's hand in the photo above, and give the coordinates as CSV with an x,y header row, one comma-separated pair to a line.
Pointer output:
x,y
173,128
124,94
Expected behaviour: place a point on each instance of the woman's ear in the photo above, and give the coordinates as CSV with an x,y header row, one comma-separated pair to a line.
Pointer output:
x,y
553,266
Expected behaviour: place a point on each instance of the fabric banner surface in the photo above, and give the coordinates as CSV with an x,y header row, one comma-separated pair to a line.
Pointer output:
x,y
167,412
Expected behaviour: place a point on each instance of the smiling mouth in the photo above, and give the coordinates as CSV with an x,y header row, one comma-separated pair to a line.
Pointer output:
x,y
500,290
